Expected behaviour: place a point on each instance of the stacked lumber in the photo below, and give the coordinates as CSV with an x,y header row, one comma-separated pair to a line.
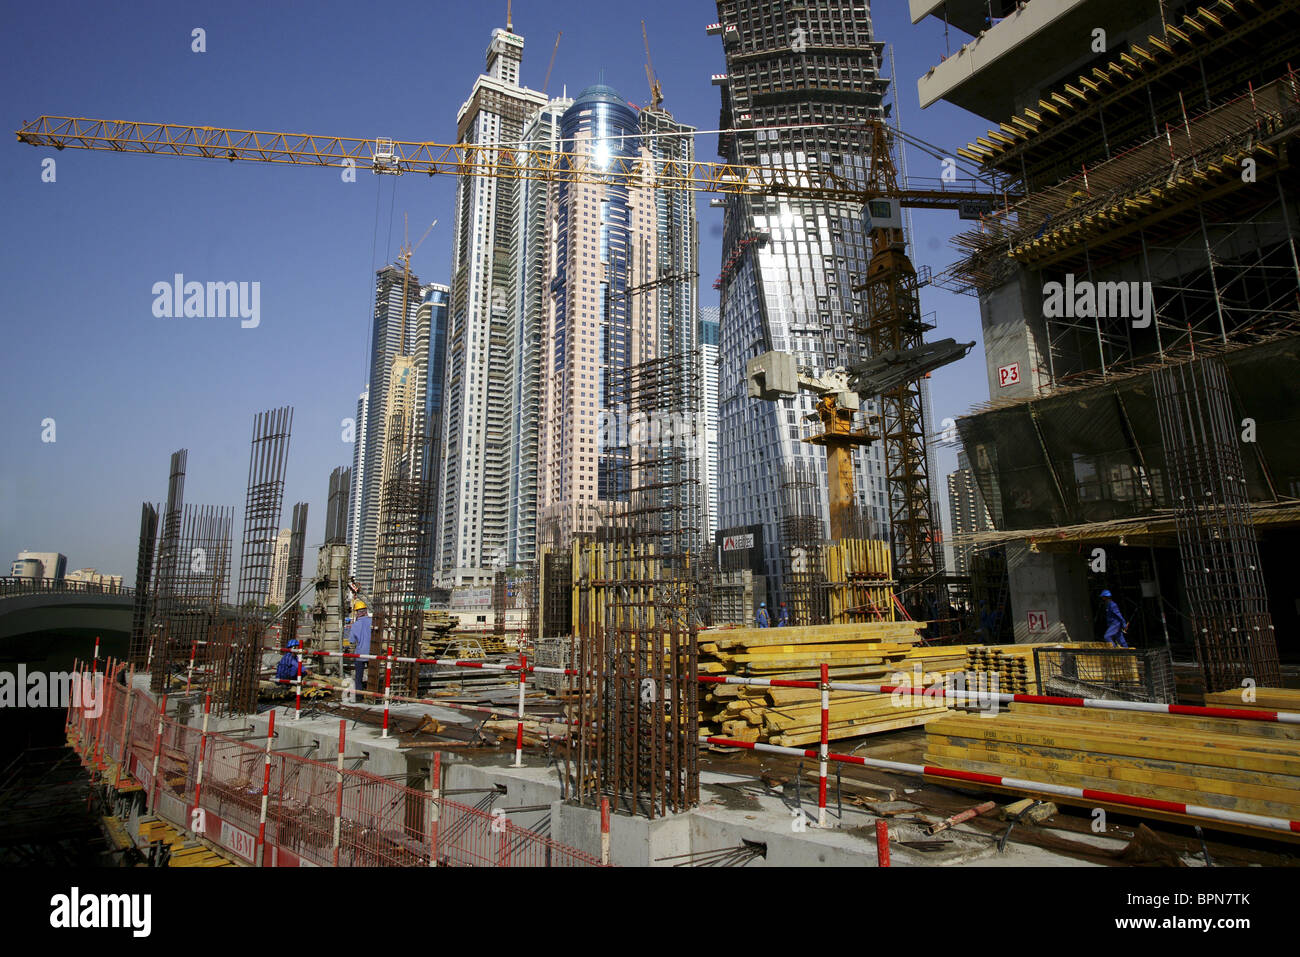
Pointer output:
x,y
1014,664
1265,699
873,652
1233,764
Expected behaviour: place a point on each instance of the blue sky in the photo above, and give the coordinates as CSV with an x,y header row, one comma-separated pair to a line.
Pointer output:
x,y
81,255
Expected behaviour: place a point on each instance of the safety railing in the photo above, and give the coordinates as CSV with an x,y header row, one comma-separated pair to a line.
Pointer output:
x,y
274,807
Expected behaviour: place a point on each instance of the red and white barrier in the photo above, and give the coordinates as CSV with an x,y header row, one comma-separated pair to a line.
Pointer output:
x,y
388,688
259,852
604,831
151,802
1021,784
823,749
519,732
203,747
338,790
938,691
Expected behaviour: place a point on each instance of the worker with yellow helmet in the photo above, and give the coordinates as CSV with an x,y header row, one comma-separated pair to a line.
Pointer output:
x,y
359,635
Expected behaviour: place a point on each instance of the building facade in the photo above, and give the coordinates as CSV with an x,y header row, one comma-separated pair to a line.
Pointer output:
x,y
967,513
474,503
530,266
789,267
393,335
603,318
53,565
1154,254
275,593
708,340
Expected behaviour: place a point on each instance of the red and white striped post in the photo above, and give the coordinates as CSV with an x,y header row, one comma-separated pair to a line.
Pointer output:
x,y
148,662
203,747
297,686
259,853
882,843
519,730
151,803
604,831
338,789
435,806
105,695
825,748
74,694
388,684
127,714
95,663
189,673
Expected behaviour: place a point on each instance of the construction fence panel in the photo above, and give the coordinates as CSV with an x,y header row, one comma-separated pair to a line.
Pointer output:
x,y
380,823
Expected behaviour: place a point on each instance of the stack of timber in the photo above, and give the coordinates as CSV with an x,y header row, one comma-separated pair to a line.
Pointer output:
x,y
1014,664
858,580
867,652
1228,763
1264,699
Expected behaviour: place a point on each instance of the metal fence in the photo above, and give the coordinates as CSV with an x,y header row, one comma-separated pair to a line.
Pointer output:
x,y
316,812
1111,674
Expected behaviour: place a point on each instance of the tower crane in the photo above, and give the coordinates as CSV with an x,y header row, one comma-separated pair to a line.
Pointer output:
x,y
656,88
891,321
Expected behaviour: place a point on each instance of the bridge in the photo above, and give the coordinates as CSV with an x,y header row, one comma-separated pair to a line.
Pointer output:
x,y
36,605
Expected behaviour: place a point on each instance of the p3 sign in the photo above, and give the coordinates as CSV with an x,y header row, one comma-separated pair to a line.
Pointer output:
x,y
1008,375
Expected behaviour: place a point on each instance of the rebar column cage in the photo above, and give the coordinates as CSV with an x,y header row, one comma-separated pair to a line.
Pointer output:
x,y
402,578
293,577
139,648
1234,632
266,466
193,602
637,706
801,543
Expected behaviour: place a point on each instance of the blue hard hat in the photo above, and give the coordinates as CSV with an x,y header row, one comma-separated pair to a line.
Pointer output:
x,y
293,642
762,604
1105,593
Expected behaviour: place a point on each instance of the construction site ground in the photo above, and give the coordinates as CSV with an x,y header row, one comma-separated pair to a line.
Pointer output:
x,y
753,797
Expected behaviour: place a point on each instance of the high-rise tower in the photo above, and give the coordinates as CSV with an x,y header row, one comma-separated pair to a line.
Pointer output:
x,y
801,83
393,335
474,494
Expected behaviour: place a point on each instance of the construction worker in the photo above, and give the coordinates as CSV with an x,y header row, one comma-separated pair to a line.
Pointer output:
x,y
287,669
359,636
763,620
1116,626
783,617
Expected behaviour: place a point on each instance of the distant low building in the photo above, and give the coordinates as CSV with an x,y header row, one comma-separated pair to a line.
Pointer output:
x,y
92,576
53,565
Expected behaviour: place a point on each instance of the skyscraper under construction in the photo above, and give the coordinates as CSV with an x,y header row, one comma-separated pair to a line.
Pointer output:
x,y
801,83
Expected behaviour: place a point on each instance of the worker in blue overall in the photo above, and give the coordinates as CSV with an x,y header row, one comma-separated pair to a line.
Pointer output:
x,y
359,636
287,669
1116,625
763,620
783,616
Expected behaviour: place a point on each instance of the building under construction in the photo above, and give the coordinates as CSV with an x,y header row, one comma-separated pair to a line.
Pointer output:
x,y
1138,290
1141,317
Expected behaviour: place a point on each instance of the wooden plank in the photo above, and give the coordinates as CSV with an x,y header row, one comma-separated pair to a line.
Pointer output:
x,y
1080,740
1225,802
1222,725
1119,774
